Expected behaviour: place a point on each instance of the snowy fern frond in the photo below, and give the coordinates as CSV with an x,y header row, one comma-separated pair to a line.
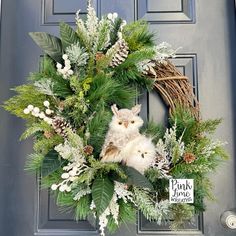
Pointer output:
x,y
163,51
77,55
81,30
170,148
45,87
113,210
146,67
152,210
81,193
92,23
123,193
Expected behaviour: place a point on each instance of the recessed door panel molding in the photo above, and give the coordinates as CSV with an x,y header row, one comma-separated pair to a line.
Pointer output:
x,y
166,11
146,227
55,11
50,220
187,64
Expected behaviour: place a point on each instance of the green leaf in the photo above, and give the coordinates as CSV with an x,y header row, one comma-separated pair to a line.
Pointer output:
x,y
102,192
68,35
51,163
136,178
49,43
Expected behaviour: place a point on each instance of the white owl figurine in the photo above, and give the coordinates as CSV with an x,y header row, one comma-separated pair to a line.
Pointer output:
x,y
123,128
139,153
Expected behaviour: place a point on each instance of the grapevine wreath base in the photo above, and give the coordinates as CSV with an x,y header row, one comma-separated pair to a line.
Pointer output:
x,y
91,147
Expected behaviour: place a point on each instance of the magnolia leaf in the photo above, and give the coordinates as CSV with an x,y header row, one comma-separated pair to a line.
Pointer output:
x,y
51,163
136,178
102,192
68,35
50,44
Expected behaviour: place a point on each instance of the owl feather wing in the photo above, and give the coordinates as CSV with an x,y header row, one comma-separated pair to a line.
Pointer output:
x,y
110,153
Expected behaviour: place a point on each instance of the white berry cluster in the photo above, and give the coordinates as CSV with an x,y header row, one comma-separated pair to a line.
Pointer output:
x,y
64,185
35,111
112,16
66,71
72,171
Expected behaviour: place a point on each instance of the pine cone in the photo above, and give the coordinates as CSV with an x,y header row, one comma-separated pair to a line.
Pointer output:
x,y
61,105
189,157
122,53
60,126
99,56
88,149
48,134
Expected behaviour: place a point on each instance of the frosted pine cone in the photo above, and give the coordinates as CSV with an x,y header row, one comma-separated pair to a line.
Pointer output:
x,y
122,51
60,126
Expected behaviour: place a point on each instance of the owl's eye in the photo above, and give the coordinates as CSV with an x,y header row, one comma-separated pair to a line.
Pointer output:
x,y
145,152
132,121
139,151
120,123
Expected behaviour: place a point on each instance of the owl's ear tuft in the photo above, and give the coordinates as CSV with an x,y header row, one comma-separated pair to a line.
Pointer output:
x,y
114,109
136,109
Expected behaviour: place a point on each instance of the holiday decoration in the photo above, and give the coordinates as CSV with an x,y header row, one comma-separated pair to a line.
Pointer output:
x,y
139,153
60,126
121,54
91,147
123,128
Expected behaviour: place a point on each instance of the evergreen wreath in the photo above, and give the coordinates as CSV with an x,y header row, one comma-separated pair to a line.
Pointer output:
x,y
93,166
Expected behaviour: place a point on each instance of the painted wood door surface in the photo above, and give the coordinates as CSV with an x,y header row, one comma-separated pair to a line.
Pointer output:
x,y
206,32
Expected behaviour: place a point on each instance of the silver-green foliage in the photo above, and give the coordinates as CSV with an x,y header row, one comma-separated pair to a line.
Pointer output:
x,y
77,54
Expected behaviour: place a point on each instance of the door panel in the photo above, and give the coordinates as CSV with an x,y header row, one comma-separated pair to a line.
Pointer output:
x,y
166,11
206,32
54,11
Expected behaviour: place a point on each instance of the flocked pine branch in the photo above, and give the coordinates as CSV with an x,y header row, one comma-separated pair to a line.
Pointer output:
x,y
152,210
45,86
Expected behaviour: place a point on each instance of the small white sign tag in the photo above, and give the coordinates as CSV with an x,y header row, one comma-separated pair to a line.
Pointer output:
x,y
181,190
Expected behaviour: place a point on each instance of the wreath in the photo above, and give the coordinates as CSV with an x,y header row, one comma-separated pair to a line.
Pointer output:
x,y
90,146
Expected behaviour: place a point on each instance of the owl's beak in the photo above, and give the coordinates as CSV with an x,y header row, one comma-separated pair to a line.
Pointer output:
x,y
126,124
